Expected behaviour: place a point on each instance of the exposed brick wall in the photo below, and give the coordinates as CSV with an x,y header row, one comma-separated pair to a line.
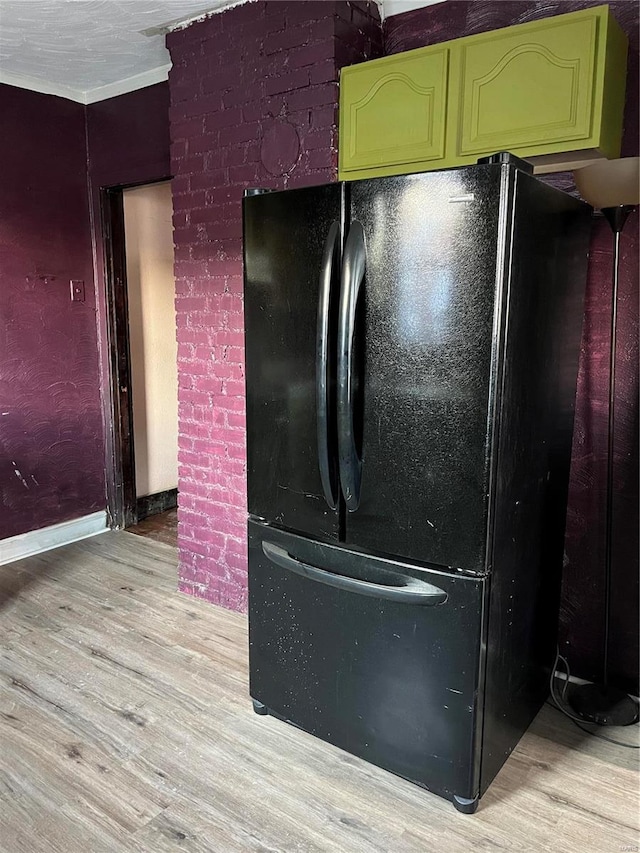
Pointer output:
x,y
253,103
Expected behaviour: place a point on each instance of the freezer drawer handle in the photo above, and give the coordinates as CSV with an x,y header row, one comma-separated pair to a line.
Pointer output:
x,y
323,385
403,589
353,269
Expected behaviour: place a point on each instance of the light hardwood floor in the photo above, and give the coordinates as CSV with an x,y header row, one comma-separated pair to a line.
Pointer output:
x,y
125,725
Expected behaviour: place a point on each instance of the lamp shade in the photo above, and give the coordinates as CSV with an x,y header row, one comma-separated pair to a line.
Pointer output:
x,y
610,183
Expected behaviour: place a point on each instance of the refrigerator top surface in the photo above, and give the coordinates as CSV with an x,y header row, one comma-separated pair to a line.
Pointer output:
x,y
511,167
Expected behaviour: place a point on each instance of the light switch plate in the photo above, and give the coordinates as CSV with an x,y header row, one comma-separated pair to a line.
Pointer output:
x,y
77,290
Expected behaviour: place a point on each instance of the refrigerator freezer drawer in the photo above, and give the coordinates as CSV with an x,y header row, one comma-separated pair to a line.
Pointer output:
x,y
377,657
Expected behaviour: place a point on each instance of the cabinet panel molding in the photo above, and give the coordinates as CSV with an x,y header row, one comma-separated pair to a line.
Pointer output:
x,y
526,91
393,110
551,91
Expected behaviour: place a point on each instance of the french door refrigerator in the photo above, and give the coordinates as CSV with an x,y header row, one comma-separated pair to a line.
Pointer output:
x,y
411,359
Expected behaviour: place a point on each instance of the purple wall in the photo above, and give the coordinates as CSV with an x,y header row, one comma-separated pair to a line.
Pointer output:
x,y
583,588
51,436
253,103
53,361
128,143
128,137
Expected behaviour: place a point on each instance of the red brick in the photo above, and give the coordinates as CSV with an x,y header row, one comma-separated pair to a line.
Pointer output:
x,y
319,139
204,143
222,118
186,129
240,15
323,31
191,164
311,54
209,179
326,93
221,230
242,132
324,117
323,72
246,174
231,85
309,11
203,105
274,22
287,38
295,79
241,94
316,159
187,268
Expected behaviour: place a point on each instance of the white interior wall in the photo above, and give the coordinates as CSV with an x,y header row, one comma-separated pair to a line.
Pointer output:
x,y
152,331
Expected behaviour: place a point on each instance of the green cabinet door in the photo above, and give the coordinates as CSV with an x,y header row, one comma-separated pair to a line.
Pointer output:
x,y
393,113
537,88
527,88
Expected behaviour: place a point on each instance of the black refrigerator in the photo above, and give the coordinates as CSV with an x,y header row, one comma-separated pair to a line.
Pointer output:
x,y
411,358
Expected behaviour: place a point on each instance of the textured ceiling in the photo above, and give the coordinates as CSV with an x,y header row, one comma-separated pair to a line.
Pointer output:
x,y
86,44
92,49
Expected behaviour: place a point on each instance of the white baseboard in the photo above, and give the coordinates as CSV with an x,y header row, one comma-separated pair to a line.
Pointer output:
x,y
37,541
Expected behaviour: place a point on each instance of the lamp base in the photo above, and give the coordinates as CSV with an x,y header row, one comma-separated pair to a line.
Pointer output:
x,y
605,706
617,216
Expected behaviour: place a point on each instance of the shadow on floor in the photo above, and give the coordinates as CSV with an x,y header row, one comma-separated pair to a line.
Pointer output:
x,y
162,527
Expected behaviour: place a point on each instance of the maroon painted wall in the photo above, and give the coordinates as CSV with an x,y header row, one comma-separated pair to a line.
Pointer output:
x,y
53,360
127,143
128,137
253,103
581,628
51,434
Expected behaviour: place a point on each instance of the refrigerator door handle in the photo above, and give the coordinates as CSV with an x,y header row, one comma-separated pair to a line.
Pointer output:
x,y
390,586
353,269
332,245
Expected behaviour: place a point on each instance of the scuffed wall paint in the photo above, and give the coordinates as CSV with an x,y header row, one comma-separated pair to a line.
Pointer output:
x,y
51,434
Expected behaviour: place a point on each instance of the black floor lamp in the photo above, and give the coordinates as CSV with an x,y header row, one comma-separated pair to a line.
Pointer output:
x,y
614,187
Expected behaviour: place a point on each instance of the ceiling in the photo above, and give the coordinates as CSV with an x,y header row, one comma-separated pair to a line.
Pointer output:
x,y
88,50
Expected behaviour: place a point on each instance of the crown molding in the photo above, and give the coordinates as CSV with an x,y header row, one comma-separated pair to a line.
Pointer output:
x,y
45,87
89,96
129,84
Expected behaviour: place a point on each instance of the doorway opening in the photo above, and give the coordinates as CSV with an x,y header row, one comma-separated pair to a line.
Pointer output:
x,y
143,351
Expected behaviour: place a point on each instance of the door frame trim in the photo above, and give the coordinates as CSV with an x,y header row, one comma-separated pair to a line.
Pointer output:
x,y
120,464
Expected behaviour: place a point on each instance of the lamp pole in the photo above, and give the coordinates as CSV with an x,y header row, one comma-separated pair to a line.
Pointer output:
x,y
602,703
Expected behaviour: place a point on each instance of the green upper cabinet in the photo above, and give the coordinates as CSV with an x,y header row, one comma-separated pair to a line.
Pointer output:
x,y
542,90
551,91
531,90
393,111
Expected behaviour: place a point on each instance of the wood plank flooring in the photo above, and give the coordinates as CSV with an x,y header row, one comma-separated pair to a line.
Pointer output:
x,y
125,725
162,527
